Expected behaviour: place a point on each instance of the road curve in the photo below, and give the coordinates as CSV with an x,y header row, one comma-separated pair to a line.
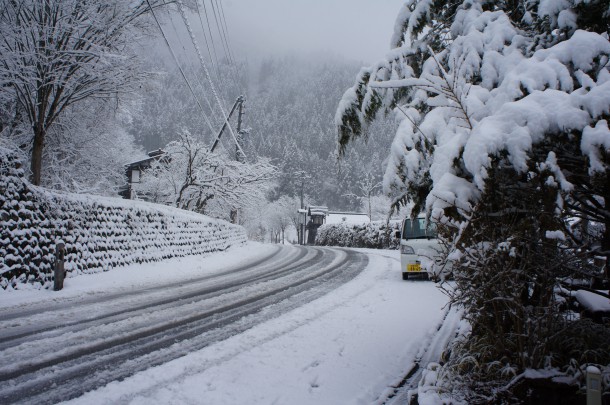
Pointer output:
x,y
58,351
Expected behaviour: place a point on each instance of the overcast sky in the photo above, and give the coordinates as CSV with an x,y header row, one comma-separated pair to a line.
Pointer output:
x,y
355,29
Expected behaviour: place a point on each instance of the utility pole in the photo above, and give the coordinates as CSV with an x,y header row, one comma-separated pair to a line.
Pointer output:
x,y
239,103
240,141
239,156
302,186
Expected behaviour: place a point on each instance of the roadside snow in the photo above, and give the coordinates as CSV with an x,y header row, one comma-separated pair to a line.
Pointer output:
x,y
345,347
136,276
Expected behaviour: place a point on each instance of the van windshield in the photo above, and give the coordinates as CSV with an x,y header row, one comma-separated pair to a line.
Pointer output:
x,y
416,229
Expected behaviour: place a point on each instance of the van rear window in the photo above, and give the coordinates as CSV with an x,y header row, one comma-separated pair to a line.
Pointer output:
x,y
416,229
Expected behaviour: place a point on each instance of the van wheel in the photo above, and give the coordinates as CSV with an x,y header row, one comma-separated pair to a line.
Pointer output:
x,y
405,276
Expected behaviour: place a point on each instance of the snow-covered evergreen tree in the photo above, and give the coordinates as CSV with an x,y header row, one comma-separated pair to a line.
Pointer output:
x,y
504,110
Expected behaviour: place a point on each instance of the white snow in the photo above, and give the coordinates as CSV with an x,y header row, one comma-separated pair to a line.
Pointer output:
x,y
463,124
555,235
593,140
346,347
347,217
593,302
136,276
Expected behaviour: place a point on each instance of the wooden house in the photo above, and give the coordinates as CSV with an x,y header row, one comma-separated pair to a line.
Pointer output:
x,y
134,170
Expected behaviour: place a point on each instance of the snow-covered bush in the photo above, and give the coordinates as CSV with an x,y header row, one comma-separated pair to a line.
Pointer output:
x,y
99,232
373,235
503,137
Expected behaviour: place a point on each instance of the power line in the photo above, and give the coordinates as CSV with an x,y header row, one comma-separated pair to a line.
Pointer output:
x,y
179,67
214,65
218,71
235,69
207,73
221,33
203,90
205,10
226,28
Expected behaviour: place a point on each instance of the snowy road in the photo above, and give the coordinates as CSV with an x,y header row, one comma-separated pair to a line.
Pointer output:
x,y
247,330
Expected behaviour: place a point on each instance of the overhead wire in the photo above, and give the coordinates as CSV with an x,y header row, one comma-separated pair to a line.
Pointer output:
x,y
203,89
218,74
205,10
207,45
235,71
235,66
221,24
226,29
207,73
215,65
179,67
221,32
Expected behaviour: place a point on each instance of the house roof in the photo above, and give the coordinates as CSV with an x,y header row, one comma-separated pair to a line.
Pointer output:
x,y
153,155
139,163
317,210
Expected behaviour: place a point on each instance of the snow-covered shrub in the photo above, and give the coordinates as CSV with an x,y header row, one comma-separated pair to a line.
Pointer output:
x,y
99,232
374,235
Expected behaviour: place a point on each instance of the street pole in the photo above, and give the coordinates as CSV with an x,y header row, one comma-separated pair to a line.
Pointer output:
x,y
239,102
238,154
239,157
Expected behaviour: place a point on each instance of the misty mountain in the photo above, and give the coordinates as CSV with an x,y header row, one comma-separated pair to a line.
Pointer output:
x,y
289,117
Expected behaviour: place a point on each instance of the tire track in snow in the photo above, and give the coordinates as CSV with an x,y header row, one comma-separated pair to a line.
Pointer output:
x,y
75,370
207,285
39,308
126,324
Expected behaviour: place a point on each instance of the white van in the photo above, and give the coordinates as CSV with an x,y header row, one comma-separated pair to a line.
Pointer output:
x,y
420,249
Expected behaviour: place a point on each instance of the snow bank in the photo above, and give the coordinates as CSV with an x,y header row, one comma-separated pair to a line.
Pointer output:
x,y
374,235
99,233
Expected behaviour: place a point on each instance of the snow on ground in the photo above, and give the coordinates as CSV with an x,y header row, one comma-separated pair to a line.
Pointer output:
x,y
346,347
343,348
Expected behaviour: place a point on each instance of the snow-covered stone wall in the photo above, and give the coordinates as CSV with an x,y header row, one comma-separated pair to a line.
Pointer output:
x,y
374,235
99,232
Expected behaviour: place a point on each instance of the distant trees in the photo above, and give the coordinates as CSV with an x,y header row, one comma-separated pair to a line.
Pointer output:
x,y
281,215
166,106
56,54
289,110
503,140
291,113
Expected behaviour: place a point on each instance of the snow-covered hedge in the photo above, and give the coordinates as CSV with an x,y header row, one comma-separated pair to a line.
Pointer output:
x,y
374,235
99,232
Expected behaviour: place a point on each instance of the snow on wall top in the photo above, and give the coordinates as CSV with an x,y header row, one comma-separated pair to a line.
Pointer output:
x,y
99,232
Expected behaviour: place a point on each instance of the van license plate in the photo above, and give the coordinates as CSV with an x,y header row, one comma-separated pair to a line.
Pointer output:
x,y
414,267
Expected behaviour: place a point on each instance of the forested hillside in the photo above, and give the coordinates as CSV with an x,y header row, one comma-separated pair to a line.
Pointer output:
x,y
292,113
289,117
